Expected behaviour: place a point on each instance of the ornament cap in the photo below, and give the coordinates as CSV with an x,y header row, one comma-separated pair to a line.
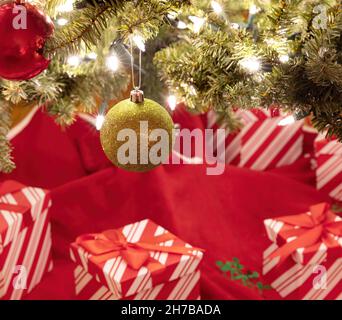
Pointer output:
x,y
137,96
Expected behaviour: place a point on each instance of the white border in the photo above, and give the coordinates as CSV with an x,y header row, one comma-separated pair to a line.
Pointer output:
x,y
22,124
88,118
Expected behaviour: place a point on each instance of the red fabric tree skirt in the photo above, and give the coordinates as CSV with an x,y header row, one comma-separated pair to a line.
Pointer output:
x,y
222,214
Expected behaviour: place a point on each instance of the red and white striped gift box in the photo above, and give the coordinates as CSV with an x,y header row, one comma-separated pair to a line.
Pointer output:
x,y
271,143
319,279
110,277
184,288
310,272
329,167
25,238
278,144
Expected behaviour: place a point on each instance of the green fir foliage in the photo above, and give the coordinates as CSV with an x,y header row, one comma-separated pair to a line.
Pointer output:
x,y
297,44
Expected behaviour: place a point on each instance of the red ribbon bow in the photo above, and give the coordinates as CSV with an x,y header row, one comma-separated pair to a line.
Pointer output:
x,y
318,227
136,254
7,187
10,186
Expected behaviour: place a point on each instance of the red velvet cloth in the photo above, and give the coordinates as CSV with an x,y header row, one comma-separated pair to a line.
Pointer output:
x,y
222,214
48,156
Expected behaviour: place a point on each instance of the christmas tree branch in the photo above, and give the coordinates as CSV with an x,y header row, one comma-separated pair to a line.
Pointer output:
x,y
6,162
204,70
86,26
292,57
311,82
88,23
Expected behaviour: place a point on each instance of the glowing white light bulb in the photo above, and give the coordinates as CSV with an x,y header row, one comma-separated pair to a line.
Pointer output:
x,y
192,90
198,23
112,62
271,42
286,121
251,64
74,61
172,15
92,55
139,42
216,7
68,6
99,121
172,102
181,25
284,58
235,26
253,9
62,21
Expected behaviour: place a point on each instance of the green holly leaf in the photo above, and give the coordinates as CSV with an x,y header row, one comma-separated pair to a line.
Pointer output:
x,y
227,267
254,275
237,264
219,263
262,287
235,268
240,276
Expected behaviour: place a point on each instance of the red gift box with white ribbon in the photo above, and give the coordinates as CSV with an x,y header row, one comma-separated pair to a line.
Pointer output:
x,y
139,261
25,238
329,167
305,259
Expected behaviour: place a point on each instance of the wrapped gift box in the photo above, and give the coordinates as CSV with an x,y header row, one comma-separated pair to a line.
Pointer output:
x,y
305,259
232,141
139,261
266,140
329,167
271,143
25,238
185,288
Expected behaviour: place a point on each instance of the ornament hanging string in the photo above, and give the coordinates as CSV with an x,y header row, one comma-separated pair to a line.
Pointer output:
x,y
132,68
129,114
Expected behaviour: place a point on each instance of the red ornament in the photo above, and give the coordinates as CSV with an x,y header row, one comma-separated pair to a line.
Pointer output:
x,y
23,32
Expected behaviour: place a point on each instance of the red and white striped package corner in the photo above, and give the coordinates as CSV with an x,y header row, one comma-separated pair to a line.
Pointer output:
x,y
25,238
305,259
329,167
271,143
140,261
233,141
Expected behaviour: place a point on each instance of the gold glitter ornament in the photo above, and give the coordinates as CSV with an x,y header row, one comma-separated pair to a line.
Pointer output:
x,y
137,134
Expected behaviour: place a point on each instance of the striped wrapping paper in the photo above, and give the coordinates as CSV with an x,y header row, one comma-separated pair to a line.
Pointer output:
x,y
261,144
123,282
267,144
232,141
185,288
25,238
295,277
329,167
295,281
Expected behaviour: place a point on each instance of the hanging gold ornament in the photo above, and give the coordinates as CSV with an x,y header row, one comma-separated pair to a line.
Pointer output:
x,y
137,134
